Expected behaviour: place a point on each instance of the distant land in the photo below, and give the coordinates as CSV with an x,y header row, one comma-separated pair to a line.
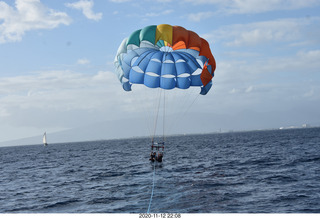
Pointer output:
x,y
70,136
188,124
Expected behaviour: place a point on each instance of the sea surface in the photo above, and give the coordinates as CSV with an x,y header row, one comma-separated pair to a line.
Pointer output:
x,y
275,171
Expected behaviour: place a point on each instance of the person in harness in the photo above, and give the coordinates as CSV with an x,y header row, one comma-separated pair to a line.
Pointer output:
x,y
159,157
152,156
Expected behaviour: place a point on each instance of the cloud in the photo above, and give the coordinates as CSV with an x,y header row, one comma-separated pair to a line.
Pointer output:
x,y
197,17
254,6
83,61
268,83
86,7
61,99
292,30
153,14
53,89
26,16
120,1
300,66
68,99
249,89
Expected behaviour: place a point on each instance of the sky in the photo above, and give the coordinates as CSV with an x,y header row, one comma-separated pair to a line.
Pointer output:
x,y
57,72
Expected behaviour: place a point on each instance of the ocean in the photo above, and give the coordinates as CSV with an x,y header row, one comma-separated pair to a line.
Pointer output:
x,y
274,171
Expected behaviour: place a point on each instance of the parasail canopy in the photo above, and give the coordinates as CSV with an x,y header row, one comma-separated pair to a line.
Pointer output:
x,y
167,57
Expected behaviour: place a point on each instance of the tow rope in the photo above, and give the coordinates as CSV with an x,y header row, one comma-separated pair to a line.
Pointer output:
x,y
154,173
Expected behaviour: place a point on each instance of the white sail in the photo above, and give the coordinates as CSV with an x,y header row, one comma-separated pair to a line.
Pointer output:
x,y
44,139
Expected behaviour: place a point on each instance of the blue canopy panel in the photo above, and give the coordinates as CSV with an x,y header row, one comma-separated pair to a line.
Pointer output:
x,y
167,70
205,89
153,71
126,86
126,62
151,80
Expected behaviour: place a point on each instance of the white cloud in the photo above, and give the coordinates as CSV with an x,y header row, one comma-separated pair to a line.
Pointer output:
x,y
249,89
86,7
66,99
54,89
120,1
26,16
83,61
4,113
104,77
254,6
269,83
293,31
233,91
62,99
53,95
302,66
197,17
154,14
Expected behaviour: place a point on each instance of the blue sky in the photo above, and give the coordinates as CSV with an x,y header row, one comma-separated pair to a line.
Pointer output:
x,y
56,61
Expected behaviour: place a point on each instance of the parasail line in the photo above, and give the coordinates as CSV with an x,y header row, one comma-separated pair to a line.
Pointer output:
x,y
182,114
156,118
154,173
164,114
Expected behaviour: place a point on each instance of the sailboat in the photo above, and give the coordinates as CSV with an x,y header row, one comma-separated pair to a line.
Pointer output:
x,y
44,139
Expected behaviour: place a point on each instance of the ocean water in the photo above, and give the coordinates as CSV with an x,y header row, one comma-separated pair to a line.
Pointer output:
x,y
245,172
